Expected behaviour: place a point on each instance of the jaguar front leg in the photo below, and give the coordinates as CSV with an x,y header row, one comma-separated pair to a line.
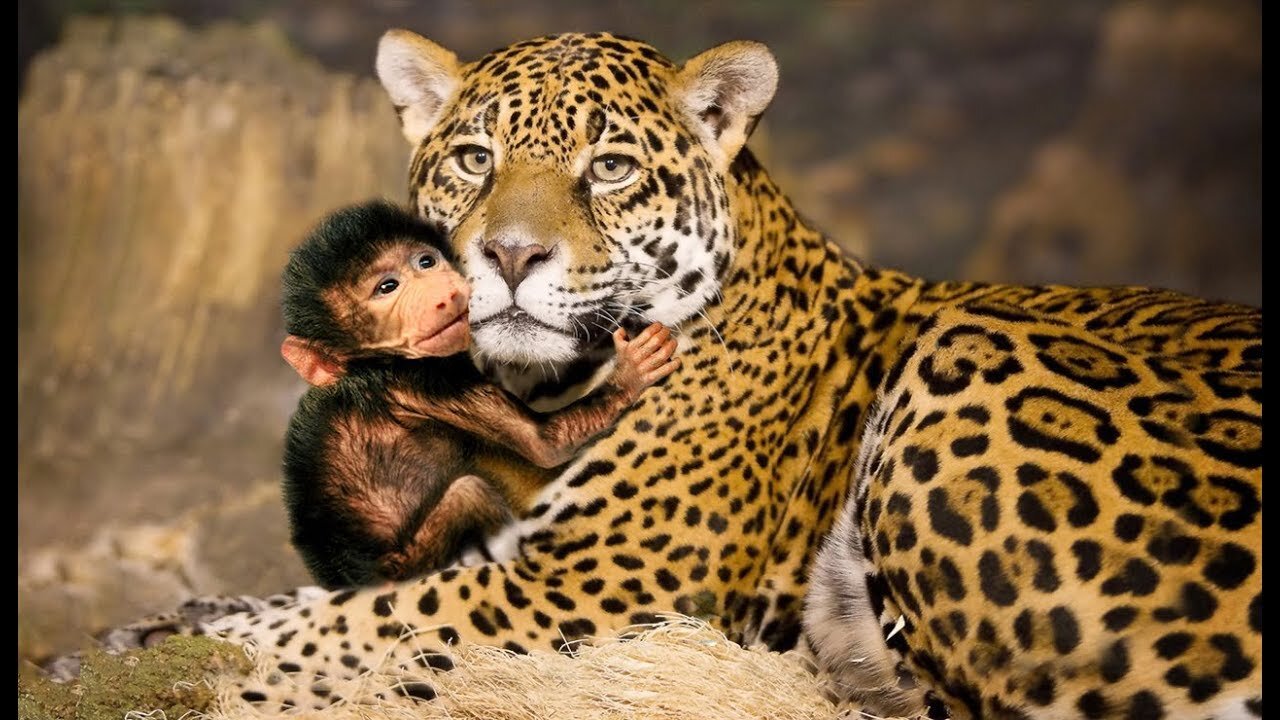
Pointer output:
x,y
324,648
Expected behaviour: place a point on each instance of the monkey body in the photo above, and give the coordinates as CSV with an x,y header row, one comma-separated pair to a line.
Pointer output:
x,y
401,451
373,495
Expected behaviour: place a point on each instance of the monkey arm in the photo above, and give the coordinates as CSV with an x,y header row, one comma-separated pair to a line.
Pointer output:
x,y
547,440
550,440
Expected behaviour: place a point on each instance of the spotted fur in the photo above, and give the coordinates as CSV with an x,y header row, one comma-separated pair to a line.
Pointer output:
x,y
1059,498
1065,514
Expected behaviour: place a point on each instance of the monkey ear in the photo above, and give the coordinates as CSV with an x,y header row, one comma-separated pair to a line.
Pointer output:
x,y
317,367
727,88
420,76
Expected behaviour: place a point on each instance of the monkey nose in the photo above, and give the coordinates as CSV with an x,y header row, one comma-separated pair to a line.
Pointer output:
x,y
514,261
454,296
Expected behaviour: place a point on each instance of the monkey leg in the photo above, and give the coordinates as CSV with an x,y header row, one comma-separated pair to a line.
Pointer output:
x,y
470,506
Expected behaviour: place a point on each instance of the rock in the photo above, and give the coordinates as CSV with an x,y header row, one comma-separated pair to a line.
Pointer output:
x,y
165,172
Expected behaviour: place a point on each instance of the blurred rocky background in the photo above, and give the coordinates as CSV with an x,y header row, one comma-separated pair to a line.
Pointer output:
x,y
170,153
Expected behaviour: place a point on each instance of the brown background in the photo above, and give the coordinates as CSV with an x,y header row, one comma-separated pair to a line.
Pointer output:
x,y
164,170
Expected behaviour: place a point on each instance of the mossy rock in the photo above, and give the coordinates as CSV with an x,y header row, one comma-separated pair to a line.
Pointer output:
x,y
170,677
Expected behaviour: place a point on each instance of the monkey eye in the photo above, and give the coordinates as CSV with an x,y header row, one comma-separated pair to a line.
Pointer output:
x,y
387,286
426,261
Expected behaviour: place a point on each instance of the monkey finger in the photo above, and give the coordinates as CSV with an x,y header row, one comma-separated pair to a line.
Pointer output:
x,y
663,352
639,349
659,356
668,348
654,376
620,338
658,365
648,333
648,359
655,340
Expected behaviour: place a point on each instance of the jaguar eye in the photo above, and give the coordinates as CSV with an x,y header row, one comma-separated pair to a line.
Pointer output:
x,y
386,287
426,261
475,160
612,168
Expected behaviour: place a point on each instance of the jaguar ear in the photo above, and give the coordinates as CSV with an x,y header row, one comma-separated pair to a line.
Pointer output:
x,y
420,76
727,88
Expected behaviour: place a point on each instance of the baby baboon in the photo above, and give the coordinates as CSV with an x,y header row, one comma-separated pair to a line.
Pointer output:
x,y
402,451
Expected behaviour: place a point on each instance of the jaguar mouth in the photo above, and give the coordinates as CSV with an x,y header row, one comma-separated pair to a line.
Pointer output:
x,y
516,336
515,319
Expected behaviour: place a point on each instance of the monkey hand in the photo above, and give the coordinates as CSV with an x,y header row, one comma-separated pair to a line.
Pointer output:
x,y
644,360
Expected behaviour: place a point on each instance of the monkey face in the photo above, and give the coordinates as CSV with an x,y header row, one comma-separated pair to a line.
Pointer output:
x,y
409,302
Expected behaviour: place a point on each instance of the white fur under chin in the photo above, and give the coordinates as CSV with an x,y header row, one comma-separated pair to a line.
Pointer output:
x,y
522,344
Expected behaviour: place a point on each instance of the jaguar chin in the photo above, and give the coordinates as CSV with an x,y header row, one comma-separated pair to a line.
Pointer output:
x,y
514,336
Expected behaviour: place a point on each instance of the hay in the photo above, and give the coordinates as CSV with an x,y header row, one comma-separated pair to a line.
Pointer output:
x,y
681,668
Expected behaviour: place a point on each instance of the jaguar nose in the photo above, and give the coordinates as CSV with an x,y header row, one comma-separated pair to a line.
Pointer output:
x,y
514,261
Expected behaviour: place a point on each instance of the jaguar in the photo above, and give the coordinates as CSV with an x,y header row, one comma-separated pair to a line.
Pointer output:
x,y
991,500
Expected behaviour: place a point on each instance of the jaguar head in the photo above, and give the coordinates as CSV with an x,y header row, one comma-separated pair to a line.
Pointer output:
x,y
582,179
